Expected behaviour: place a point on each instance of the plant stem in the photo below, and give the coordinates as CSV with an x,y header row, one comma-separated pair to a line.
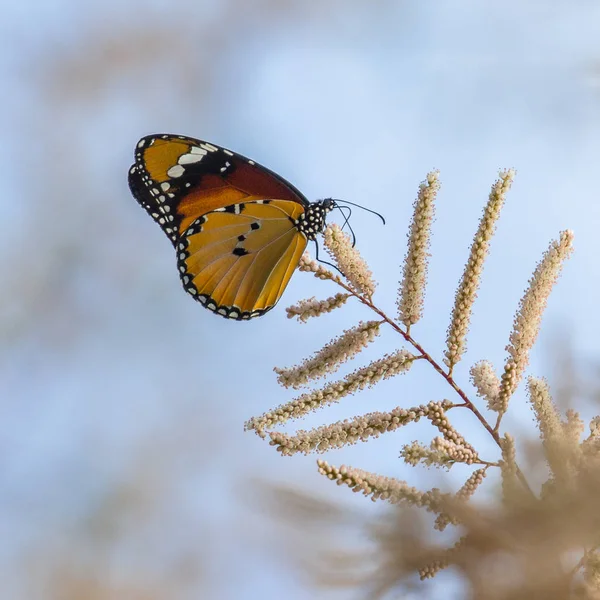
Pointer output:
x,y
446,375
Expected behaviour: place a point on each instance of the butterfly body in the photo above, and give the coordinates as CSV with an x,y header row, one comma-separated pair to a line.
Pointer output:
x,y
238,228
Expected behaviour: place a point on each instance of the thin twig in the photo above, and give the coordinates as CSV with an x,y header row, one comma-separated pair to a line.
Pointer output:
x,y
446,375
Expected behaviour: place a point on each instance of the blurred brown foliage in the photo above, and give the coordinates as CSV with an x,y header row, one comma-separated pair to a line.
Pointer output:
x,y
515,547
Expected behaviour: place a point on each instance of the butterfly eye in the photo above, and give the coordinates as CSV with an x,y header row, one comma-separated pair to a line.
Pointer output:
x,y
329,204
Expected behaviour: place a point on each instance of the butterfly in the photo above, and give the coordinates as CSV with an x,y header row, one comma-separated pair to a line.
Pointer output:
x,y
239,229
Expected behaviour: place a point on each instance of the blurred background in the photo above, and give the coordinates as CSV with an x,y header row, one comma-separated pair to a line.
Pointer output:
x,y
125,472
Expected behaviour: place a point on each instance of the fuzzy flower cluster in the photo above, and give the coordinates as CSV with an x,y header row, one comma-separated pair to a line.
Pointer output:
x,y
463,495
415,453
433,568
529,316
452,445
591,574
384,368
560,440
441,453
469,283
440,420
414,275
590,447
330,357
463,453
348,432
305,309
573,427
348,260
378,487
511,491
486,382
309,265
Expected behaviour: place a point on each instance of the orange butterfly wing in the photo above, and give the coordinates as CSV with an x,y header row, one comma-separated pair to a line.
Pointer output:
x,y
234,223
177,179
238,261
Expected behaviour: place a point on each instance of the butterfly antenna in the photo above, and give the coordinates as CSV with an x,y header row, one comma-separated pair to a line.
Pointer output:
x,y
359,206
347,222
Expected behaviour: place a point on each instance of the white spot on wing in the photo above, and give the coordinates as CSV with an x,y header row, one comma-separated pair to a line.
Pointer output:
x,y
186,159
175,171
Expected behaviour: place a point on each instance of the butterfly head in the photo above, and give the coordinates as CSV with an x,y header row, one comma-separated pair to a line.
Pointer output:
x,y
312,221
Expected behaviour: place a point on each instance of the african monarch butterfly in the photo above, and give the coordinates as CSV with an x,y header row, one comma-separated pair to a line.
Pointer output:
x,y
239,229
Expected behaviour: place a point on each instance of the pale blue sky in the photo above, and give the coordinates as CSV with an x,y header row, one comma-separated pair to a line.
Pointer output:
x,y
348,100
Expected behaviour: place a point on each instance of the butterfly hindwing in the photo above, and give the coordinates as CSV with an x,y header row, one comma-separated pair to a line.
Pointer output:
x,y
237,260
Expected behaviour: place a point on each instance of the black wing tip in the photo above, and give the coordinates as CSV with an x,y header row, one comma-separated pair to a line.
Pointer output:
x,y
167,136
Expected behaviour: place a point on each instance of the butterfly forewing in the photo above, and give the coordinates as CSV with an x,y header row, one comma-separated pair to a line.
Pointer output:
x,y
177,178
